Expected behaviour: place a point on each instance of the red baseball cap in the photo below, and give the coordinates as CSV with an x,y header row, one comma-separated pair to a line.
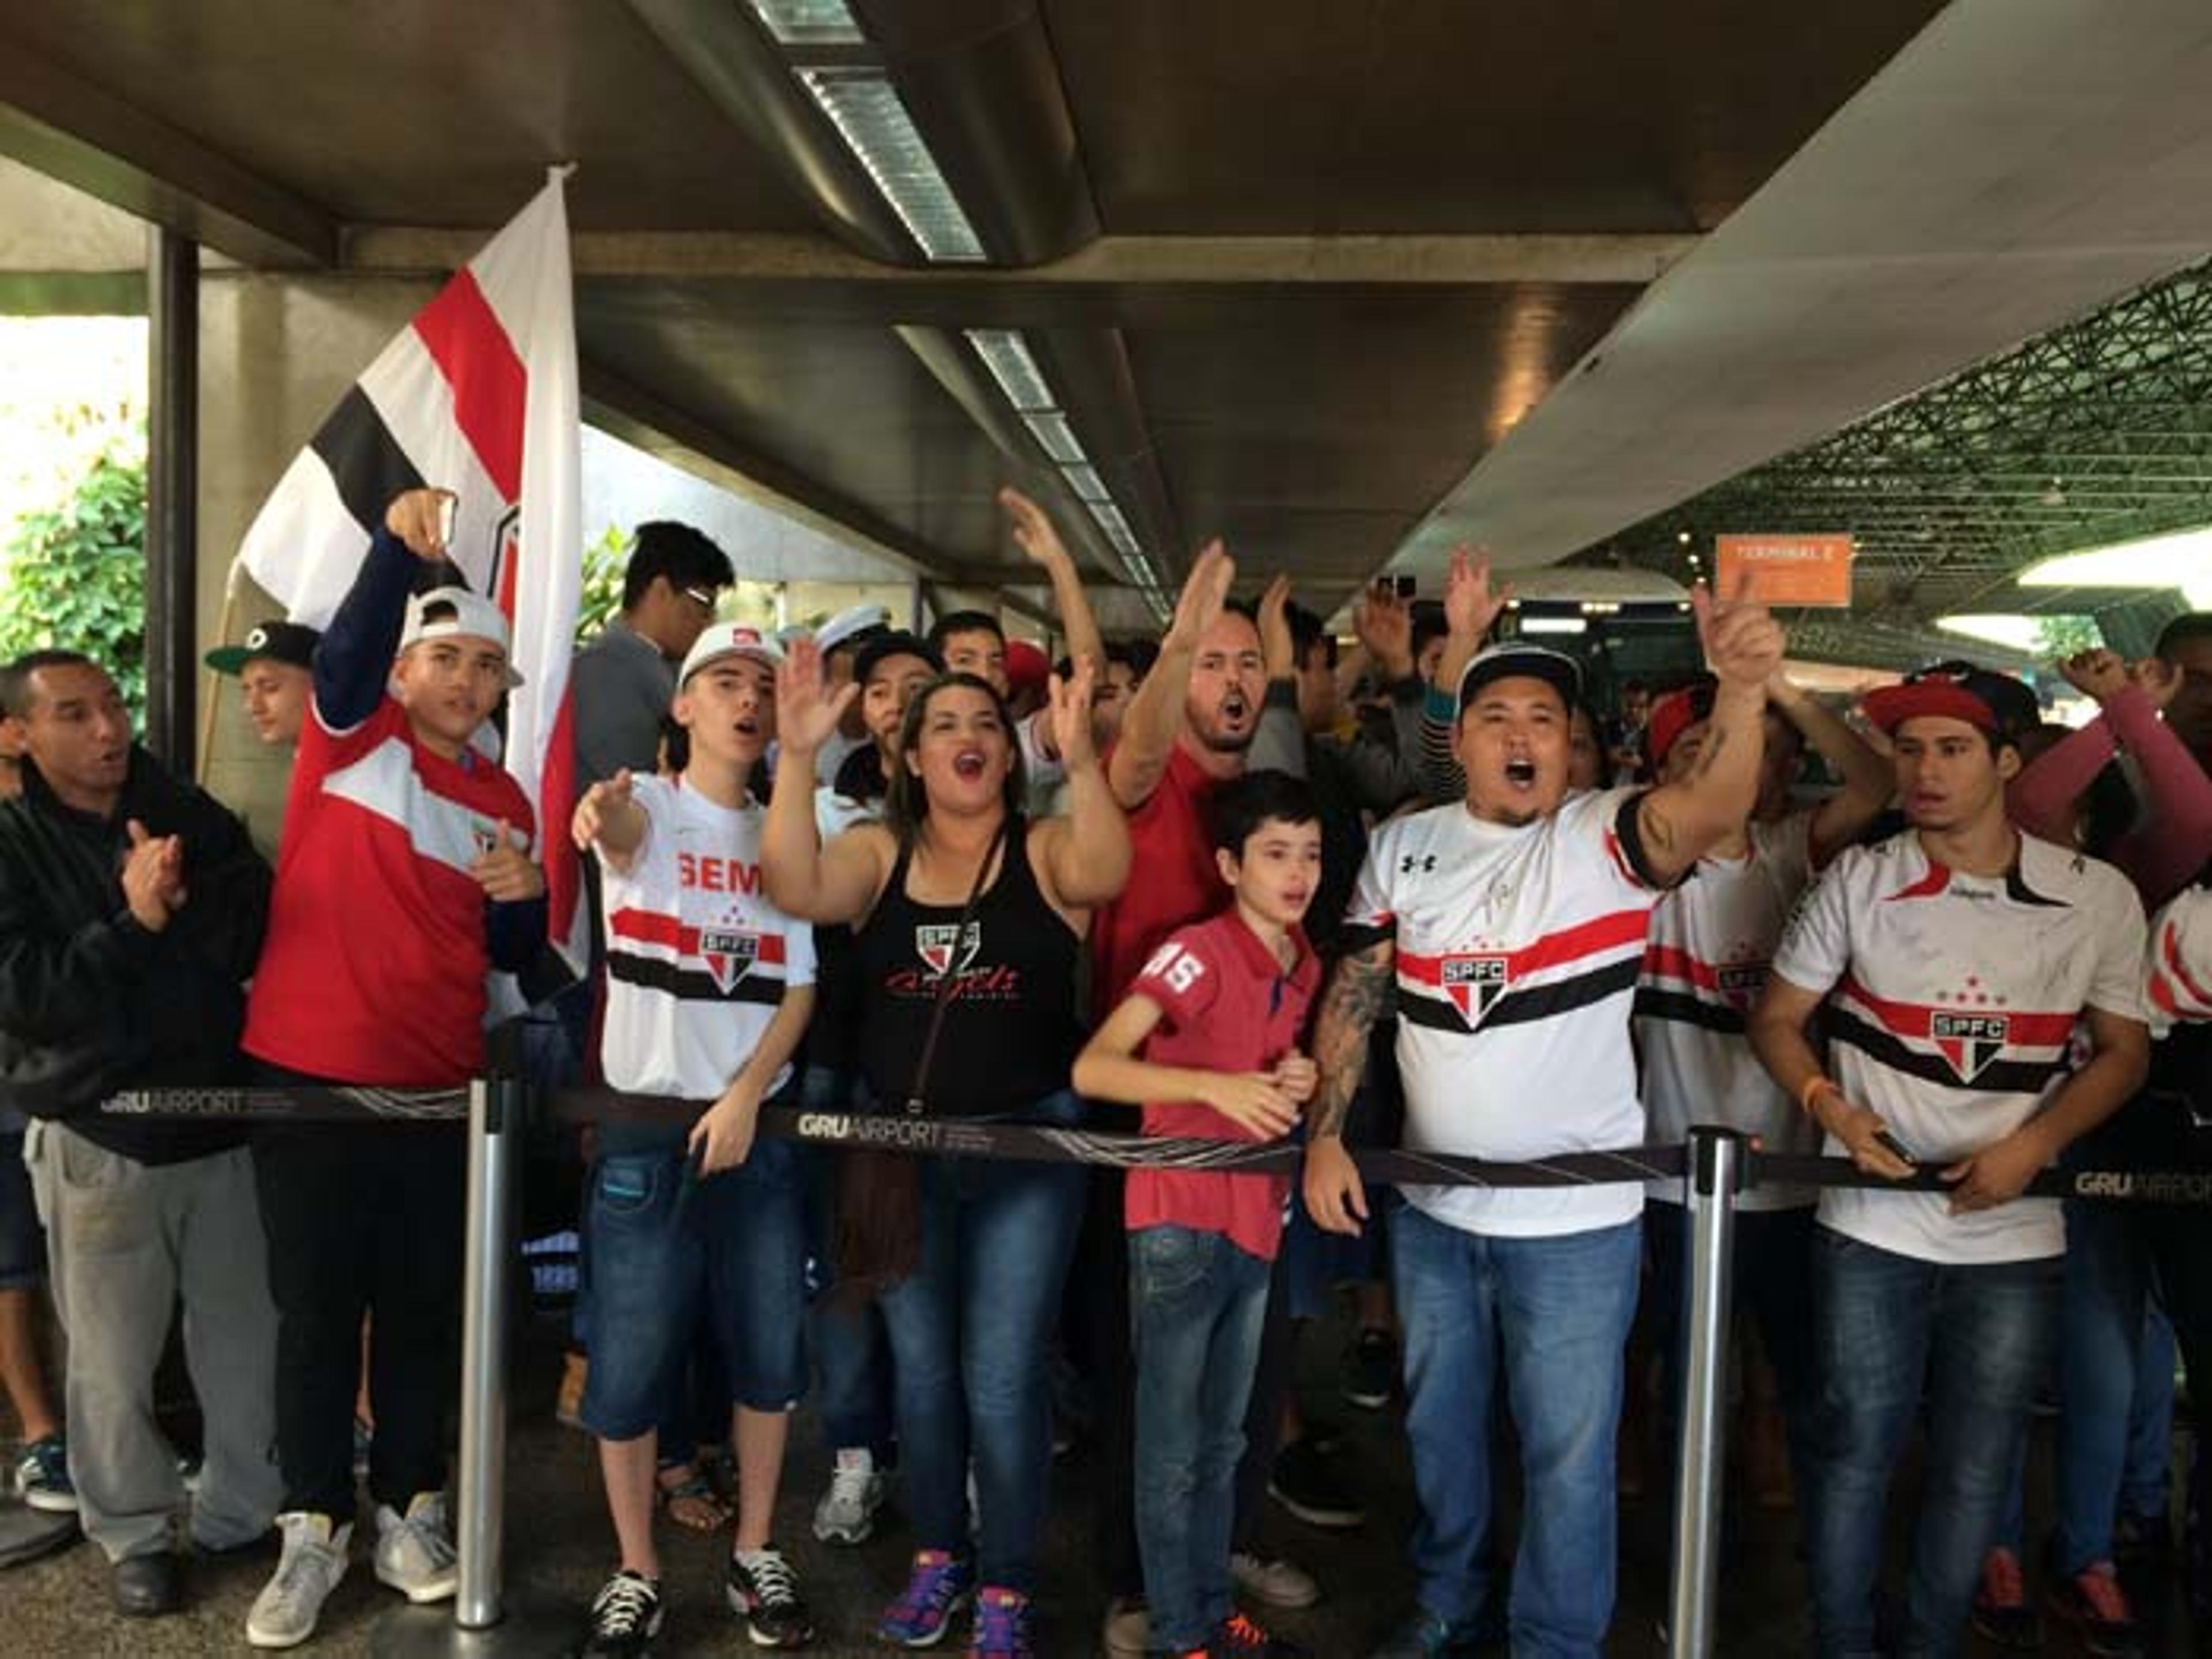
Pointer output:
x,y
1028,668
1955,691
1676,714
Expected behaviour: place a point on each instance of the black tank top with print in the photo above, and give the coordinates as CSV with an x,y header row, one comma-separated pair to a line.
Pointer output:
x,y
1009,1034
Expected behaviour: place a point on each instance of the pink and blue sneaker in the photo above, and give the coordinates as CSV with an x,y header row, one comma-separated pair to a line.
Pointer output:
x,y
937,1587
1002,1625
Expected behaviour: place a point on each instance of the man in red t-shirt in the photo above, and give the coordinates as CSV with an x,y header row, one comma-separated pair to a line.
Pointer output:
x,y
1218,1010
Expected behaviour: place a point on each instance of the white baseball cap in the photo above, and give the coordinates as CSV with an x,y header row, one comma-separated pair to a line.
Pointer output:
x,y
848,624
726,639
462,615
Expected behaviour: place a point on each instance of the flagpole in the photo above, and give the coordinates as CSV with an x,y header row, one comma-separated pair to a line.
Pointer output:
x,y
206,753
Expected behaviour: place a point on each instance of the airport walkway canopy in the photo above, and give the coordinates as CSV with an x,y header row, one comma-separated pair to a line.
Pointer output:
x,y
1343,282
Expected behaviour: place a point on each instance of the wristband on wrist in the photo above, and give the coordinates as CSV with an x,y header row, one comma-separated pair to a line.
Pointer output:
x,y
1814,1084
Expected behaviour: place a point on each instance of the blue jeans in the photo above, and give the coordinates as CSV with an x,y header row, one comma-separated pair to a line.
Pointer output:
x,y
851,1354
1978,1337
969,1331
1197,1305
1556,1311
2145,1486
734,1245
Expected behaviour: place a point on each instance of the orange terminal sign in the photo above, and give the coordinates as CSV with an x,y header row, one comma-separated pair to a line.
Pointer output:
x,y
1786,570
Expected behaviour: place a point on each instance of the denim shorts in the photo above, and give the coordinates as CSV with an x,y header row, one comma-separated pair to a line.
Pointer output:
x,y
22,1240
738,1239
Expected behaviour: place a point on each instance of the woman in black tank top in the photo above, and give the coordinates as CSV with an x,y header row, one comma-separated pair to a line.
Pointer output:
x,y
967,917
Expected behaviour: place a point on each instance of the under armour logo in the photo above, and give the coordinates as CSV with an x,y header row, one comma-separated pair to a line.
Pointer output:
x,y
1408,863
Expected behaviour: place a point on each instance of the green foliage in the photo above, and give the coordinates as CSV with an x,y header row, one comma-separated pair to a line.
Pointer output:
x,y
74,577
603,560
2064,636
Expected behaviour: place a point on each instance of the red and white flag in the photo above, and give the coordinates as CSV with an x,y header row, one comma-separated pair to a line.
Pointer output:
x,y
477,395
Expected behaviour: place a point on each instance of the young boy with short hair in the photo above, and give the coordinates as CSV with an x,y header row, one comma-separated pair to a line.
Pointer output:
x,y
709,990
1217,1012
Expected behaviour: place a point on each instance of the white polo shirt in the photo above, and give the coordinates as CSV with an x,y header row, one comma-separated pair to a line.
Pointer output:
x,y
1517,952
697,958
1952,1004
1705,965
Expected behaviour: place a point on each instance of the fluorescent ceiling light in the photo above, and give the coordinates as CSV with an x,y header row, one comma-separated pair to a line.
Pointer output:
x,y
1115,526
1553,625
1006,355
1085,481
865,108
1050,428
2182,560
809,23
2014,631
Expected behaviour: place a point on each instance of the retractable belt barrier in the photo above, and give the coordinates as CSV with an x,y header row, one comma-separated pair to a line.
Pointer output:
x,y
951,1137
1713,1168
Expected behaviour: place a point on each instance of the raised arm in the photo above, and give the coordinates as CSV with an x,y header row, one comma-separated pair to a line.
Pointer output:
x,y
1679,821
1087,852
1154,717
1472,607
1278,744
354,660
833,883
1869,780
1040,544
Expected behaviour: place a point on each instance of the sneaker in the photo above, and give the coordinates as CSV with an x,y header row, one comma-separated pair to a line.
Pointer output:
x,y
283,1615
415,1551
1273,1583
847,1513
1303,1482
763,1591
1003,1625
1370,1369
1127,1632
42,1476
2001,1610
1423,1635
2093,1602
937,1587
1240,1638
626,1618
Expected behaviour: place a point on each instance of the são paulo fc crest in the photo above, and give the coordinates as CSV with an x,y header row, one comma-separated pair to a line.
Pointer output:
x,y
1473,983
946,948
729,954
1740,982
1969,1041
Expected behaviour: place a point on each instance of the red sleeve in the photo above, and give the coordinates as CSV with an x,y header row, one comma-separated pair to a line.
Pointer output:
x,y
2041,800
1182,977
2162,856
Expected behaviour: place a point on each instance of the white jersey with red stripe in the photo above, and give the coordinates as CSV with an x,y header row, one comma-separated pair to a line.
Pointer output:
x,y
1952,1000
2181,963
697,958
1712,940
1518,952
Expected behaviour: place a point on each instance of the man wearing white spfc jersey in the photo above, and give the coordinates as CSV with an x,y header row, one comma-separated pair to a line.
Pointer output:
x,y
1509,928
1957,963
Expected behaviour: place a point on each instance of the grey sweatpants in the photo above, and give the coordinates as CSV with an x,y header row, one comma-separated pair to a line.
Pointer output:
x,y
125,1241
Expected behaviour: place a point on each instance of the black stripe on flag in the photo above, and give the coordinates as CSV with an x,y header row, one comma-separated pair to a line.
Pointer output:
x,y
366,462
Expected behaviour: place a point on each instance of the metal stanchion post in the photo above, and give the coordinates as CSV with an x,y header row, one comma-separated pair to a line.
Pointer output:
x,y
1709,1184
479,1622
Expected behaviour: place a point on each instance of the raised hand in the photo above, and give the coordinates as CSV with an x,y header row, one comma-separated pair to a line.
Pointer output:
x,y
2097,674
806,717
2158,678
1472,605
504,870
1277,651
1743,644
153,877
1384,624
1069,703
604,800
1204,592
1032,530
419,518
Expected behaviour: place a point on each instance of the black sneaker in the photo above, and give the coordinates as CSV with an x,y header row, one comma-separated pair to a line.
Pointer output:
x,y
626,1616
2093,1602
1303,1482
765,1593
1370,1369
2000,1611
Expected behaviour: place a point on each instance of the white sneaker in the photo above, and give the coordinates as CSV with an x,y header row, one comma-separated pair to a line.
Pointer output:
x,y
847,1513
415,1552
283,1615
1273,1583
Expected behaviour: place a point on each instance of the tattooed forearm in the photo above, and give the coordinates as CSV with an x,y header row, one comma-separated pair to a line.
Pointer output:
x,y
1359,991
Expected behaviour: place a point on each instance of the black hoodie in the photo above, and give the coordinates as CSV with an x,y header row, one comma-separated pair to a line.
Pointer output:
x,y
92,1003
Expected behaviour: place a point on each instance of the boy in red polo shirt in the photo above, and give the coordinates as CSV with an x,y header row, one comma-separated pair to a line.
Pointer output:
x,y
1218,1012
